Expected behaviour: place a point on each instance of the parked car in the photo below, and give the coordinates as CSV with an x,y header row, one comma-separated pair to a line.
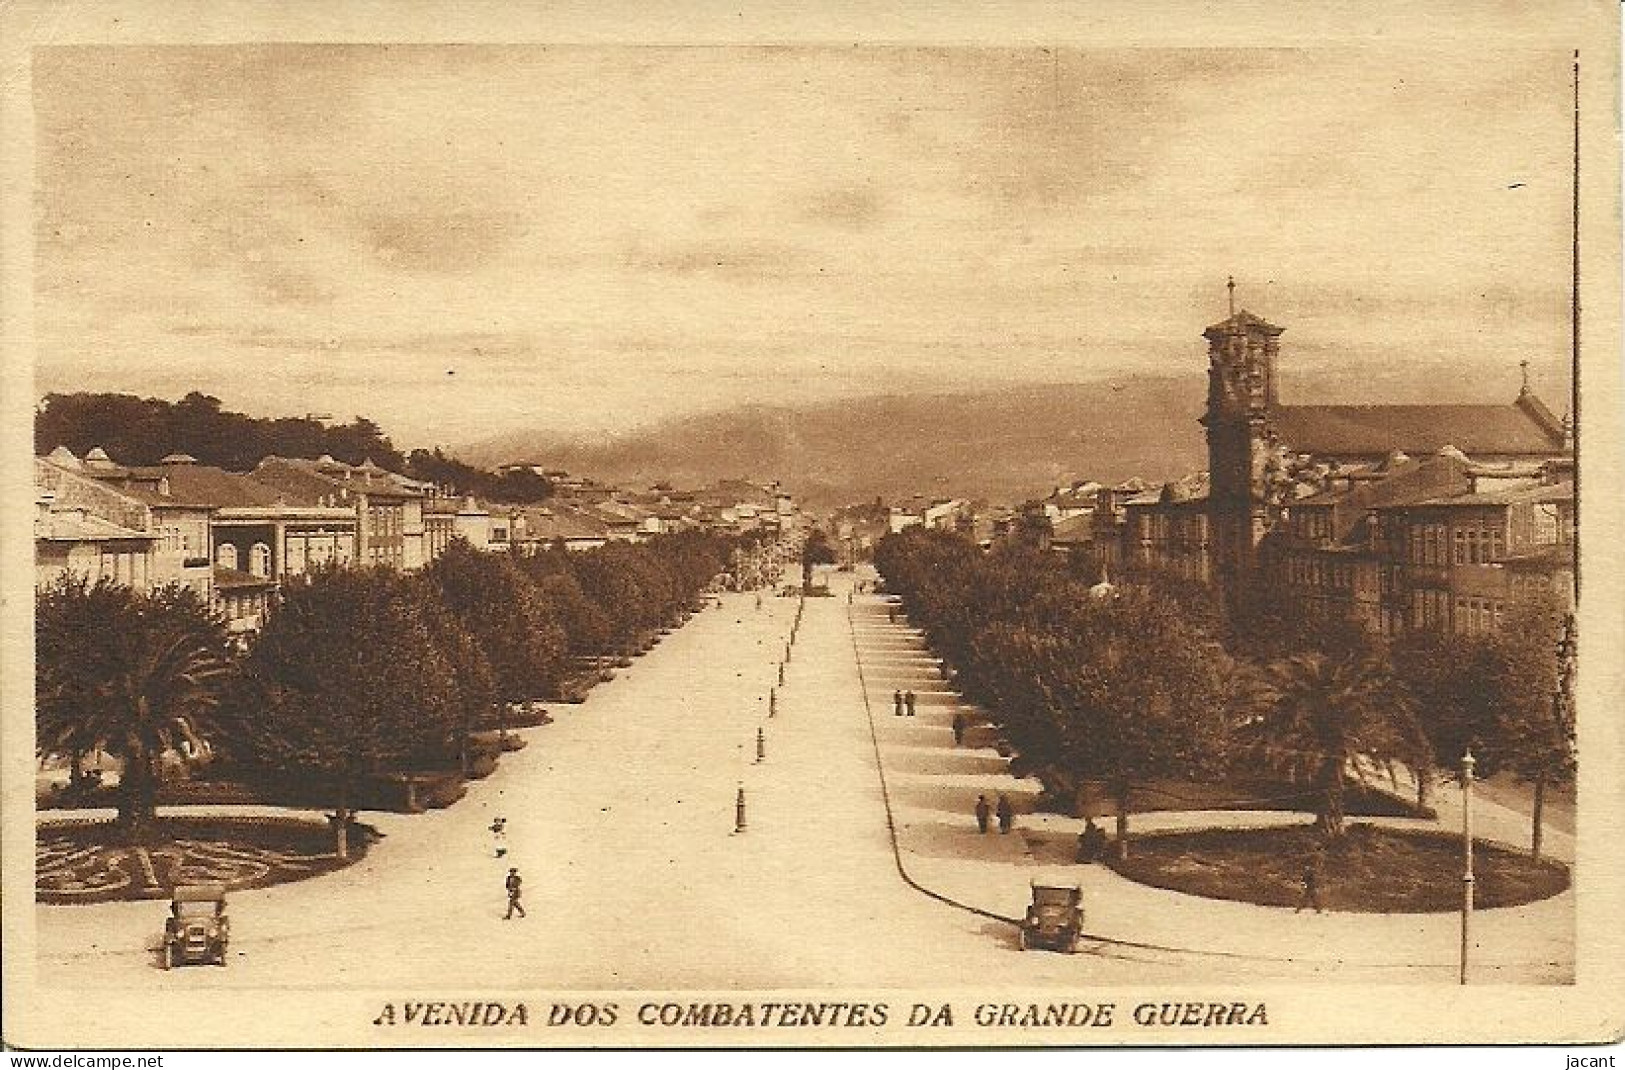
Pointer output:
x,y
1054,918
197,929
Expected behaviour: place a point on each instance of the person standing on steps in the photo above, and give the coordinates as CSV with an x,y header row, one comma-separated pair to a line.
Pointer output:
x,y
514,883
908,700
897,703
1007,814
499,835
984,813
959,729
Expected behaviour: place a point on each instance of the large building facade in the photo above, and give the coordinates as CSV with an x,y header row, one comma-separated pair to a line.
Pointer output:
x,y
1402,516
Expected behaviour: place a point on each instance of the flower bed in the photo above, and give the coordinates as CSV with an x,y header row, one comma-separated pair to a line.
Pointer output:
x,y
84,862
1373,869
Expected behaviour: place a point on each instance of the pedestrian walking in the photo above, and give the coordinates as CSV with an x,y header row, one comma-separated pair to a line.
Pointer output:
x,y
1007,813
897,703
499,835
908,700
984,813
514,884
959,729
1311,885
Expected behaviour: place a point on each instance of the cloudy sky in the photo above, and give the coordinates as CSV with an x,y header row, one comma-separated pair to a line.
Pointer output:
x,y
464,240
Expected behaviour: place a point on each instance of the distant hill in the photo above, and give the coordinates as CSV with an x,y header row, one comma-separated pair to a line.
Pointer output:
x,y
1003,445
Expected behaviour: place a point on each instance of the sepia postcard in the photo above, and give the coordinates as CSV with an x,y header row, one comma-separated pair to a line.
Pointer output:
x,y
820,526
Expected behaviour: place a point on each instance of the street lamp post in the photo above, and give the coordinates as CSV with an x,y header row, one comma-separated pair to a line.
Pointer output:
x,y
761,745
1467,763
739,810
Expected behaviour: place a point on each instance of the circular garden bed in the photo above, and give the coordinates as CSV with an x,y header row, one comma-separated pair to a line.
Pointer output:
x,y
1372,869
85,862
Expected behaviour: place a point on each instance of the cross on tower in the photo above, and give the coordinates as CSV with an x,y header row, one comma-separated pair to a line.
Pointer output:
x,y
1231,285
1523,369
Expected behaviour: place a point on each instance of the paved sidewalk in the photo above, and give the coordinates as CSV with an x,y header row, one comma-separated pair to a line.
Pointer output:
x,y
933,787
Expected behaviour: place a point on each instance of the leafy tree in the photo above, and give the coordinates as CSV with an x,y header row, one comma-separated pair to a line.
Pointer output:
x,y
1264,623
1129,692
514,628
1450,677
815,551
142,431
1317,719
135,674
1502,696
349,682
586,627
1530,672
608,577
520,485
472,681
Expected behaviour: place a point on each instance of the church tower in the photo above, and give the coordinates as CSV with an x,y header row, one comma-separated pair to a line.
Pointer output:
x,y
1241,392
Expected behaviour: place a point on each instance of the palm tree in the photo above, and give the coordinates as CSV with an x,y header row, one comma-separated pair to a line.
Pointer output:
x,y
135,674
1318,720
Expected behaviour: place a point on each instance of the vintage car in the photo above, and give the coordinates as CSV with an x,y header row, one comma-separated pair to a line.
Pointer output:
x,y
1054,918
197,928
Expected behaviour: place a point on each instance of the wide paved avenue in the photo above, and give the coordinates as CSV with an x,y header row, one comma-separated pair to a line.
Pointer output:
x,y
620,816
621,819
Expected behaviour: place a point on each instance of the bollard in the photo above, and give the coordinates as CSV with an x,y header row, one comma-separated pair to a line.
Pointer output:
x,y
772,702
781,675
739,810
761,745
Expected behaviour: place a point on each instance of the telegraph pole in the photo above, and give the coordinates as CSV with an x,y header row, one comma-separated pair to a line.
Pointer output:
x,y
1467,763
1574,329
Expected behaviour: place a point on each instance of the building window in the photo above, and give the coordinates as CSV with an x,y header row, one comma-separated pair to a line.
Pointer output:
x,y
259,560
226,555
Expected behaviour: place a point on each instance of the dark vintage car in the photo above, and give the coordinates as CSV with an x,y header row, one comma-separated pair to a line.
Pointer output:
x,y
197,928
1054,919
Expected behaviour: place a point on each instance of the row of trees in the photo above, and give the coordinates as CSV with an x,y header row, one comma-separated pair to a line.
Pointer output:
x,y
516,485
357,672
136,430
1101,686
142,431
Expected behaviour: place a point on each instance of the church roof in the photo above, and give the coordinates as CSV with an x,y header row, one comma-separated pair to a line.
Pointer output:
x,y
1244,320
1378,430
